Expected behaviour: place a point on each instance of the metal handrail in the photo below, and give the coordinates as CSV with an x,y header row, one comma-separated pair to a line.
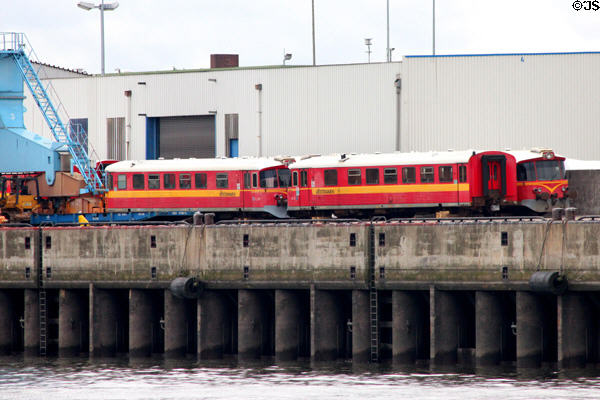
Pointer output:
x,y
287,221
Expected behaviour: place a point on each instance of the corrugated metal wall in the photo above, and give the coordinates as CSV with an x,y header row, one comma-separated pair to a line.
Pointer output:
x,y
508,101
304,109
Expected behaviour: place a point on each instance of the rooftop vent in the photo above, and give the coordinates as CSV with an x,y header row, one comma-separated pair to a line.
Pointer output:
x,y
224,60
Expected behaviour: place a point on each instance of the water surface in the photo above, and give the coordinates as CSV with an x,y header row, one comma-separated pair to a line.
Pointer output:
x,y
184,379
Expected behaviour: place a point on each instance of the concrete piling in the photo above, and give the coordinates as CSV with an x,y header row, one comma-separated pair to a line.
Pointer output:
x,y
361,332
31,323
488,328
573,330
405,327
445,320
103,322
175,325
325,321
530,327
70,323
6,317
254,326
140,323
288,325
212,323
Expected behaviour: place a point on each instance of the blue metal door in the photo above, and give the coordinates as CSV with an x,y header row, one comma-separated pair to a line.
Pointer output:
x,y
233,147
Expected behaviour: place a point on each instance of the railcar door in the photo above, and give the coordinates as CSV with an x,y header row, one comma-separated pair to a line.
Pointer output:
x,y
246,193
303,190
494,176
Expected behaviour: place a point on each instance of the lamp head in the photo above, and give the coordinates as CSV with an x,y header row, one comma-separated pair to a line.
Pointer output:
x,y
85,5
111,6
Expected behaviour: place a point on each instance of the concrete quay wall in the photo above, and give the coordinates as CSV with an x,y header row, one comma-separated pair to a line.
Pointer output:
x,y
443,292
298,255
488,252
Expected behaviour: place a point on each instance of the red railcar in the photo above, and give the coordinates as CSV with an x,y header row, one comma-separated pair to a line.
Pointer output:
x,y
403,183
541,180
229,186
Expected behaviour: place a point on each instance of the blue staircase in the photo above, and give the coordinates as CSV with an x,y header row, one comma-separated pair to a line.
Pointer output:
x,y
15,44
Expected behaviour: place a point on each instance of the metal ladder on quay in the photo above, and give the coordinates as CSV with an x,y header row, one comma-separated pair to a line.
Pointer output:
x,y
373,302
15,44
43,322
42,301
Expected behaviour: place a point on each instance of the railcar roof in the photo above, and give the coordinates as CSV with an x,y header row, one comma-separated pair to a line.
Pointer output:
x,y
523,155
194,164
383,159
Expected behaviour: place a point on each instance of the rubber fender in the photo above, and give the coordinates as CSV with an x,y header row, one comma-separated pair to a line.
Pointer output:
x,y
186,288
548,282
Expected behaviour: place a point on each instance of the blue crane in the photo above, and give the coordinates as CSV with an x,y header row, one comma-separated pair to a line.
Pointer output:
x,y
22,151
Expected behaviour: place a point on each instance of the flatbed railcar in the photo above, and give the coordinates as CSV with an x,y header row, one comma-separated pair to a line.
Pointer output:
x,y
231,187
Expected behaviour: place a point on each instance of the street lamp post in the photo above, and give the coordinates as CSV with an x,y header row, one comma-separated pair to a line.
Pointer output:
x,y
286,56
108,7
388,51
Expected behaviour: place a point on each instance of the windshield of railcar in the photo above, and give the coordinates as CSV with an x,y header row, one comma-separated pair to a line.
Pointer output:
x,y
550,170
285,177
268,178
541,170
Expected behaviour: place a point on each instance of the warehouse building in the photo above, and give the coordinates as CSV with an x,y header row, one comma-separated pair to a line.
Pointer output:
x,y
421,103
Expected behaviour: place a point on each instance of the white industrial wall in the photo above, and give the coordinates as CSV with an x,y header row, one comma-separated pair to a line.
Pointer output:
x,y
304,109
503,101
458,102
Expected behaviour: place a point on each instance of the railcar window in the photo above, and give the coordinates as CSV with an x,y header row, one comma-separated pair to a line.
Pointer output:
x,y
284,177
462,173
200,180
295,178
445,174
354,177
426,174
169,181
138,182
153,182
109,181
247,180
409,175
222,182
390,176
121,182
372,176
303,179
185,181
255,180
331,177
549,170
526,171
268,178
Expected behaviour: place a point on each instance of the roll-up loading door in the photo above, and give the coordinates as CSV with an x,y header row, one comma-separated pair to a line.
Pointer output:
x,y
187,137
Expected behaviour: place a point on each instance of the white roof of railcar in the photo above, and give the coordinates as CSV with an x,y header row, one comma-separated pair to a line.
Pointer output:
x,y
384,159
522,155
194,164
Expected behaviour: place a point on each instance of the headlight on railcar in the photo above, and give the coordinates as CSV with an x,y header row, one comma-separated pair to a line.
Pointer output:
x,y
281,199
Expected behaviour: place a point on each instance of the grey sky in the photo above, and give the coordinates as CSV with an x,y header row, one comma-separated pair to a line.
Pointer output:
x,y
146,35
